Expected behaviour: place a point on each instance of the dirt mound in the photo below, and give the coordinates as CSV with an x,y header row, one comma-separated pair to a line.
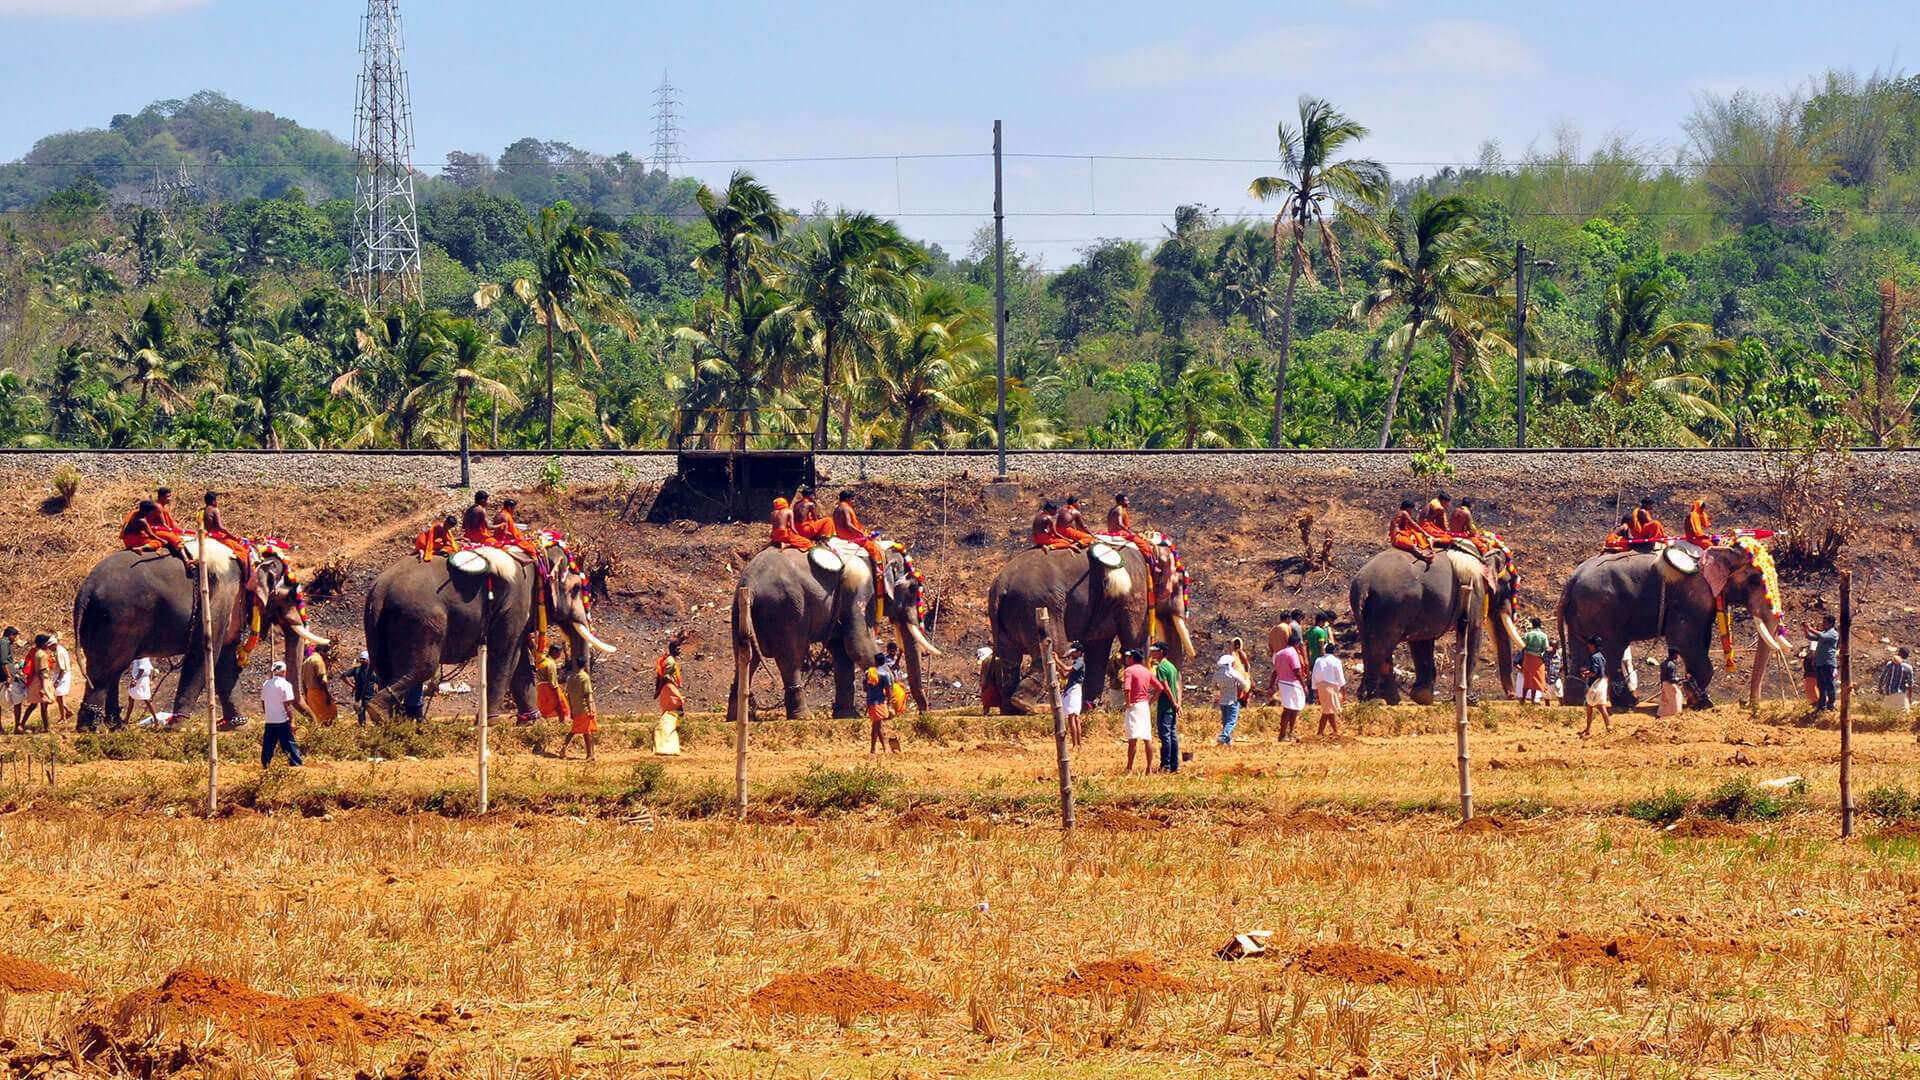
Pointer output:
x,y
1578,947
1123,975
19,975
1365,964
921,817
1905,830
839,991
1486,824
1115,820
1698,828
242,1010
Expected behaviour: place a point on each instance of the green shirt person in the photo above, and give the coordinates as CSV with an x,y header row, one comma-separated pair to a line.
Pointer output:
x,y
1167,673
1534,642
1317,637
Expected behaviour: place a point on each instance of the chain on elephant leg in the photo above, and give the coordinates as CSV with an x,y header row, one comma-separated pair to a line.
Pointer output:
x,y
793,702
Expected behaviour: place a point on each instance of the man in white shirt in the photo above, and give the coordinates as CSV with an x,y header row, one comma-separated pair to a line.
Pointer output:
x,y
1329,679
140,691
1232,684
280,703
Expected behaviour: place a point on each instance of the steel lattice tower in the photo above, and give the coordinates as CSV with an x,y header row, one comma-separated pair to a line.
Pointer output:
x,y
385,265
666,126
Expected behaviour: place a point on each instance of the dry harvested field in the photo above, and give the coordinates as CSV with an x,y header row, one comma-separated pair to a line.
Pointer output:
x,y
925,916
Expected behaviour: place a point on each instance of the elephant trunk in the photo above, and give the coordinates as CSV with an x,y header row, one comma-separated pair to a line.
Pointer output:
x,y
1504,646
916,641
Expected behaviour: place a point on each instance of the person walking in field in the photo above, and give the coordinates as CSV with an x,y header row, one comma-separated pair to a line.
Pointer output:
x,y
1896,683
1139,685
1593,670
548,696
1073,689
580,706
671,699
41,678
11,660
879,684
1318,636
1166,707
1823,647
62,677
1329,682
1232,684
364,686
1533,663
1286,688
140,692
1670,683
314,688
279,703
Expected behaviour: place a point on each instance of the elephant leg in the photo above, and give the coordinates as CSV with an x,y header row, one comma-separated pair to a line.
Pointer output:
x,y
1098,654
1011,664
1699,671
415,671
226,676
1424,671
843,668
1617,693
789,664
191,688
1376,678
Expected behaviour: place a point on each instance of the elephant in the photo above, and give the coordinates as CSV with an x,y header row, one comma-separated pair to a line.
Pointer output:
x,y
136,604
1085,602
1634,596
423,615
790,604
1397,598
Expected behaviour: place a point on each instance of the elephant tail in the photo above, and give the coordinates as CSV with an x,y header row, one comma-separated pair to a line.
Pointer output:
x,y
743,630
80,605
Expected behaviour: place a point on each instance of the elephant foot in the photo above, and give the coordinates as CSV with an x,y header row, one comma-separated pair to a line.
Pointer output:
x,y
1422,695
793,705
846,712
89,718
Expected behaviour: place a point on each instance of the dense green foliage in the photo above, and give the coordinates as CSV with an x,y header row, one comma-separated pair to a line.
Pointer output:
x,y
1766,290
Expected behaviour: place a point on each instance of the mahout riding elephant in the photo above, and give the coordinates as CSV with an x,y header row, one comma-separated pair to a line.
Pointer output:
x,y
136,604
792,604
1634,596
422,616
1089,602
1396,597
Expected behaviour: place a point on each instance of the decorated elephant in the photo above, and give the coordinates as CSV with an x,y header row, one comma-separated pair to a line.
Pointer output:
x,y
1096,597
1396,598
423,616
136,604
1632,596
796,599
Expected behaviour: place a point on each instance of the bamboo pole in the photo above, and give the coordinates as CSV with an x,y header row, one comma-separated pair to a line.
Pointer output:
x,y
737,703
1463,638
1044,621
1846,703
206,633
485,716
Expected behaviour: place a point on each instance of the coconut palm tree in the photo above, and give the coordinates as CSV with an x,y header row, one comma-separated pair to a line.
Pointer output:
x,y
451,375
742,362
923,354
844,276
1313,188
155,353
571,281
1438,264
747,221
266,377
1642,352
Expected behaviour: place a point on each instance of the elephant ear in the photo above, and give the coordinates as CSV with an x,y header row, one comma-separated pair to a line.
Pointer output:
x,y
1718,566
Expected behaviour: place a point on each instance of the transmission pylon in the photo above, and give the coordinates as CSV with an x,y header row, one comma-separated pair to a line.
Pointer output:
x,y
385,266
666,126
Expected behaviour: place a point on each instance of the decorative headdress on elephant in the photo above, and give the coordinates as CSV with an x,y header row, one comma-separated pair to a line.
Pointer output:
x,y
1744,567
906,589
564,595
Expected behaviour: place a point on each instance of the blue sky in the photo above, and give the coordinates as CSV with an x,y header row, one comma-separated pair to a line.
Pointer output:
x,y
1197,79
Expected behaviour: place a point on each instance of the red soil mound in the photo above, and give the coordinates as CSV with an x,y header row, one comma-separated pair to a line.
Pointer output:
x,y
1694,828
19,975
1576,947
1365,964
245,1011
1120,976
838,992
1485,824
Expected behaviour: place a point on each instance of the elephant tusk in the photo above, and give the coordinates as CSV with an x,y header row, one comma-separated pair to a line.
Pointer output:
x,y
1513,632
1186,639
300,631
587,635
919,637
1773,641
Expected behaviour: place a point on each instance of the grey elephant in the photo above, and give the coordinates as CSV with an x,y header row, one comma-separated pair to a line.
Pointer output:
x,y
792,603
1087,601
1398,598
423,616
136,604
1634,596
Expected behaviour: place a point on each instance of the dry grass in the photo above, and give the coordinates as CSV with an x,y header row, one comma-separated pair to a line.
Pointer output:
x,y
627,940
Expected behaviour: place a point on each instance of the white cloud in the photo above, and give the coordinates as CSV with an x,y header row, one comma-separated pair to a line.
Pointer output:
x,y
98,9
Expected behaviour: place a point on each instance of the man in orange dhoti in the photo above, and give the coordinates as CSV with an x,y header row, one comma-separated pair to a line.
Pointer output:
x,y
1046,534
475,528
1070,524
1699,525
1405,533
784,534
1433,520
438,542
1120,523
1644,529
846,526
506,531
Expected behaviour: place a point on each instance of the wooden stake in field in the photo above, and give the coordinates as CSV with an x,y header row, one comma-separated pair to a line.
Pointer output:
x,y
1045,623
737,704
484,717
213,707
1846,703
1463,638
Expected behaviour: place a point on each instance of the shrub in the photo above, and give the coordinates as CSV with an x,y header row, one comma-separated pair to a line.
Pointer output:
x,y
553,477
1890,803
328,578
1739,800
705,799
66,484
647,778
1430,461
1665,808
820,788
